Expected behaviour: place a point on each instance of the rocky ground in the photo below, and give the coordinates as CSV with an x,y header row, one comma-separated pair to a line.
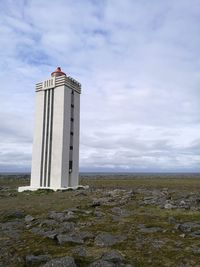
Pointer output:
x,y
116,222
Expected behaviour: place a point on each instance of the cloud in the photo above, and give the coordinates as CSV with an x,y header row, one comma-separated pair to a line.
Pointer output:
x,y
138,62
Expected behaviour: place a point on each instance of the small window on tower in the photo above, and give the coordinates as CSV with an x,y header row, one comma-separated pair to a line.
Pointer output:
x,y
71,147
70,166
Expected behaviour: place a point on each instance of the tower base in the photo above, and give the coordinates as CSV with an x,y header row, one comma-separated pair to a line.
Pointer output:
x,y
30,188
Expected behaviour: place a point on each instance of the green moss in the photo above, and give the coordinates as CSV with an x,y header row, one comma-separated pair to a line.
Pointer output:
x,y
139,248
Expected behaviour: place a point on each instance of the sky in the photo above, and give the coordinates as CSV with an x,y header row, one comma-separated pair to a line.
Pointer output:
x,y
139,65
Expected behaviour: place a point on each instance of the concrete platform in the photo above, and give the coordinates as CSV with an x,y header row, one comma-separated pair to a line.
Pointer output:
x,y
29,188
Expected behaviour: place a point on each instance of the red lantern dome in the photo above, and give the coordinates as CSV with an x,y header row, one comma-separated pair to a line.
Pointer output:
x,y
57,72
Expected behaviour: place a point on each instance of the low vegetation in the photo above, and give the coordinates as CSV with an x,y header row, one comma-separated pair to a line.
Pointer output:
x,y
143,220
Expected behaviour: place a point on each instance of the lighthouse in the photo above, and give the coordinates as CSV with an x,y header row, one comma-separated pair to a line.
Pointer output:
x,y
55,156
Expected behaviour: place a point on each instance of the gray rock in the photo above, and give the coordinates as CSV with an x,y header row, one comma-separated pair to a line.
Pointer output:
x,y
106,239
80,251
32,260
60,228
70,238
184,205
171,220
102,263
70,211
12,229
49,233
29,218
81,193
96,203
116,192
120,212
87,212
195,250
99,202
103,201
158,243
86,235
67,226
99,213
49,223
149,230
116,218
62,216
112,256
187,227
182,202
169,206
61,262
195,234
16,214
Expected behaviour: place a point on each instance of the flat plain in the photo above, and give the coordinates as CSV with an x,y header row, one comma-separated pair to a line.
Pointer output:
x,y
121,220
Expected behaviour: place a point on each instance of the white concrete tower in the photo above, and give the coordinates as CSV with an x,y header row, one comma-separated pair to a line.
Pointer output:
x,y
55,158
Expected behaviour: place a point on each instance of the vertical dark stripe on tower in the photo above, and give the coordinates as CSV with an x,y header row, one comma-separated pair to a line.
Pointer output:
x,y
50,136
71,143
47,139
43,138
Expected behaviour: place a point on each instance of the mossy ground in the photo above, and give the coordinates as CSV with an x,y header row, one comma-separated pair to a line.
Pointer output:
x,y
166,248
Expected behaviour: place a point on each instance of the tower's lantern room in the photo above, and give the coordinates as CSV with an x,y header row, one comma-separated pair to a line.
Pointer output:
x,y
55,157
57,73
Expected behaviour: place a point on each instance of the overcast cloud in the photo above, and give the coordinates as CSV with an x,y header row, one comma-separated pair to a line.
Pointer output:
x,y
139,65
